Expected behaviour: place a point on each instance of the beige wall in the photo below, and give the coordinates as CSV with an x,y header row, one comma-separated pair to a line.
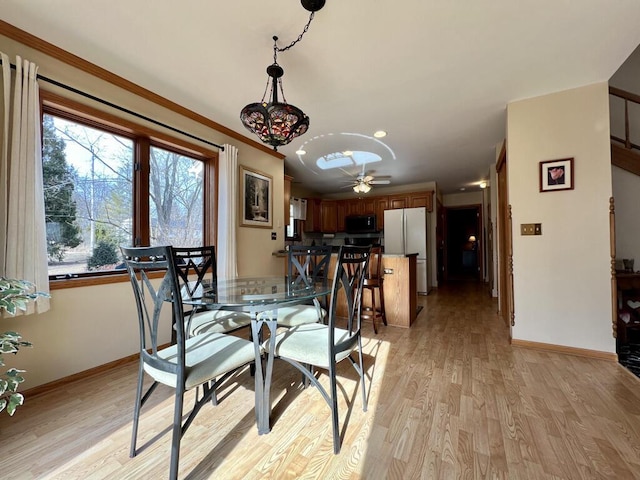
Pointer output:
x,y
562,290
90,326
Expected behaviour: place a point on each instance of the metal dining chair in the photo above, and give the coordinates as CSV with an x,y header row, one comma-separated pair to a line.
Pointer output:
x,y
205,360
324,346
306,265
196,268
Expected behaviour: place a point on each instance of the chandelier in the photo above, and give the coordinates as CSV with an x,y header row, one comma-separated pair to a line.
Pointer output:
x,y
276,123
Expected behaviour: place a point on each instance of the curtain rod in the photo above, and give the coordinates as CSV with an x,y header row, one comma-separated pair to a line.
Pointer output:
x,y
122,109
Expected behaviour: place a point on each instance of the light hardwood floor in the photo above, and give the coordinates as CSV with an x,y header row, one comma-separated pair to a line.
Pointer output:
x,y
449,398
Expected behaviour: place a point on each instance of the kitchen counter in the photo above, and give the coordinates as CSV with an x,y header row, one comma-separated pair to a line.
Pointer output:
x,y
400,289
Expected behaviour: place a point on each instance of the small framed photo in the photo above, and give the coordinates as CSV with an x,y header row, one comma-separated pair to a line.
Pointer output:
x,y
256,198
556,175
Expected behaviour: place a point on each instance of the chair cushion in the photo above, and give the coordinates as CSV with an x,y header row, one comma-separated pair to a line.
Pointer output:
x,y
218,321
299,315
308,344
208,356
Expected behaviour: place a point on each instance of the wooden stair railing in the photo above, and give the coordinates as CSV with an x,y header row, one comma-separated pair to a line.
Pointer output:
x,y
624,153
627,97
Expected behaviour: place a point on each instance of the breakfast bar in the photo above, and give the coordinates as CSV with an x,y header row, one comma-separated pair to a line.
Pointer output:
x,y
400,289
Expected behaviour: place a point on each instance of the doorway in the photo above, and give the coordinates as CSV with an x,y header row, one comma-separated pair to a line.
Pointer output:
x,y
463,232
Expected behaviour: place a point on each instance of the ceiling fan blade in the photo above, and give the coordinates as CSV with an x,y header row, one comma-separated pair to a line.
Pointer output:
x,y
380,182
367,179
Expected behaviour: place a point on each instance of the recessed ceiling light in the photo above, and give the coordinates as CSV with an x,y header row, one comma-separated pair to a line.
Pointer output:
x,y
483,184
347,153
380,134
462,189
301,152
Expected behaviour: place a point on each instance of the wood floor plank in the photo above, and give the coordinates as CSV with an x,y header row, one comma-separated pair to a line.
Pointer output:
x,y
448,398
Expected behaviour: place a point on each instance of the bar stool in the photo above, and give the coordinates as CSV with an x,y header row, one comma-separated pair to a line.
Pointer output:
x,y
373,283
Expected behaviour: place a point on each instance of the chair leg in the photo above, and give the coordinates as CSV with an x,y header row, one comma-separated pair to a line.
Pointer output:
x,y
214,395
382,311
362,376
334,411
136,415
177,434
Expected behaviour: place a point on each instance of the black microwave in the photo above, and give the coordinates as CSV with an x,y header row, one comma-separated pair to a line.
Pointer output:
x,y
360,224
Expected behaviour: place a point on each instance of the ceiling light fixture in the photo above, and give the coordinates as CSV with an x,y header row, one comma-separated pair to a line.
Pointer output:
x,y
300,152
361,187
483,185
380,134
277,123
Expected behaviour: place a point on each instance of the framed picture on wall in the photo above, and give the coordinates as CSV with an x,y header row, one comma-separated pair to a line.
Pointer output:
x,y
556,175
256,198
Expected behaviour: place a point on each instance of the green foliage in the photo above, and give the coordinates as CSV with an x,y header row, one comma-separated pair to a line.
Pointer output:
x,y
14,296
105,253
58,178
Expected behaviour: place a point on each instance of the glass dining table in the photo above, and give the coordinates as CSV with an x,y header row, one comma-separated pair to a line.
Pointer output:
x,y
260,297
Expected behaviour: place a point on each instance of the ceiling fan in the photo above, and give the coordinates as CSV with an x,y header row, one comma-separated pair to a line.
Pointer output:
x,y
364,181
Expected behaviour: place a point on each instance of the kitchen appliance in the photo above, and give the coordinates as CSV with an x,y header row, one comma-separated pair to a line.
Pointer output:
x,y
360,224
405,232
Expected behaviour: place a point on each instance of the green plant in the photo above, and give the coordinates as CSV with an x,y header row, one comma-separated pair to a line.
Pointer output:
x,y
105,253
14,295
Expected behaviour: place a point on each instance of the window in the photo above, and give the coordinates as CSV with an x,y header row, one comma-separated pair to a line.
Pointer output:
x,y
107,186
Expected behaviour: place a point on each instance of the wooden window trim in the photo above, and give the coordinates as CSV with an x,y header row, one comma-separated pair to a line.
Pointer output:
x,y
144,138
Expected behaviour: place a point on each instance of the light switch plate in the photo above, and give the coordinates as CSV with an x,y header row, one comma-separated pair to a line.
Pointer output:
x,y
530,229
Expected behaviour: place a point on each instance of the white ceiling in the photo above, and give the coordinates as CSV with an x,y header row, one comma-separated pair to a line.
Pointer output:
x,y
435,74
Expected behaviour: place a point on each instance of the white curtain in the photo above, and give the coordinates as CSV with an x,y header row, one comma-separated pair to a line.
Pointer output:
x,y
227,212
23,247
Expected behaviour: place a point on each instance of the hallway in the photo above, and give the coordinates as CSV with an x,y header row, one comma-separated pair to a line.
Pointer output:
x,y
449,398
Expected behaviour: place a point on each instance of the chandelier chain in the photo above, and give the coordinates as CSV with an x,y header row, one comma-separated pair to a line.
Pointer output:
x,y
284,49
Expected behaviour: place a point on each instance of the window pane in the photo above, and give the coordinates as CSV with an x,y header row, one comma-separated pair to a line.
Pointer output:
x,y
88,196
175,199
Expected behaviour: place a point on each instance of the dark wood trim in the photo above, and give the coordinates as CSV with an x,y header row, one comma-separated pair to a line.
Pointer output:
x,y
624,94
70,59
121,126
502,158
626,159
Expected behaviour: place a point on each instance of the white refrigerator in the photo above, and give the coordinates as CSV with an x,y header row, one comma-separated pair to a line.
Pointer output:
x,y
405,232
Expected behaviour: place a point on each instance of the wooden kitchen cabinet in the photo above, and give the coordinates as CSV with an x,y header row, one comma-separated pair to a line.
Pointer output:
x,y
313,223
381,204
328,216
341,212
368,205
398,201
354,207
421,199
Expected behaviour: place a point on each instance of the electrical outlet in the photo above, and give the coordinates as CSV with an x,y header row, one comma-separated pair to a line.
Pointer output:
x,y
388,271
